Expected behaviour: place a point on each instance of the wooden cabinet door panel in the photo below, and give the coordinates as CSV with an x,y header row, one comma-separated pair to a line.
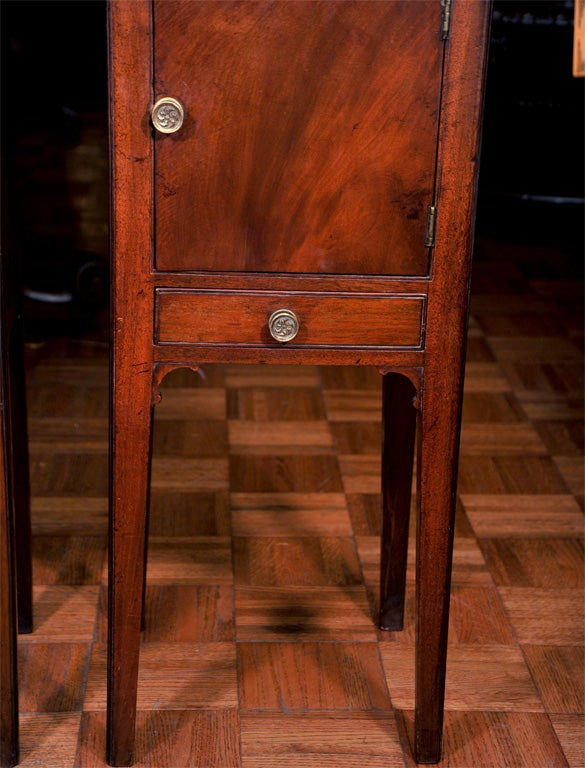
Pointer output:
x,y
310,134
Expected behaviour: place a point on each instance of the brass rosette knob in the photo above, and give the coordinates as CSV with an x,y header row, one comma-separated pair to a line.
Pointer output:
x,y
283,325
167,114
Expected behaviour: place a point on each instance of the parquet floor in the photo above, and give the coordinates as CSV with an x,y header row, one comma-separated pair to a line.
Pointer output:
x,y
260,649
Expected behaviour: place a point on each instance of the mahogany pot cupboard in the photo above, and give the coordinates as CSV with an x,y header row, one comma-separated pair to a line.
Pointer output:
x,y
294,182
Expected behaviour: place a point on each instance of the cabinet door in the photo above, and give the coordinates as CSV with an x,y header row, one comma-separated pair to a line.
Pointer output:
x,y
309,142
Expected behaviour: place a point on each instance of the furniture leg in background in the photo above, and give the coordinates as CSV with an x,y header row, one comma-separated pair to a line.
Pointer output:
x,y
8,571
16,600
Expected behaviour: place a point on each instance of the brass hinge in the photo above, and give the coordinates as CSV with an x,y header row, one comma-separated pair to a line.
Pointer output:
x,y
431,224
446,23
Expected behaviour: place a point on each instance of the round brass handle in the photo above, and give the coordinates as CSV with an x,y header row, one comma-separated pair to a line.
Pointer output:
x,y
283,325
167,114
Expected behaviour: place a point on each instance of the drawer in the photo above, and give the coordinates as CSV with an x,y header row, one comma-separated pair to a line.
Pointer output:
x,y
320,319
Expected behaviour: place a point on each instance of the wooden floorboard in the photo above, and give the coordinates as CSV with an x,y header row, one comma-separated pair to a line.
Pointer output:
x,y
260,648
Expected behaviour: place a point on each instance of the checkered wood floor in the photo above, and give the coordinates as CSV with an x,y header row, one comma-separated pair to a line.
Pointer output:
x,y
260,649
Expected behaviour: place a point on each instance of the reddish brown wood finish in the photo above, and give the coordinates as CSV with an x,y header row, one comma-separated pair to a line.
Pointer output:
x,y
236,211
444,363
294,156
131,361
399,425
369,320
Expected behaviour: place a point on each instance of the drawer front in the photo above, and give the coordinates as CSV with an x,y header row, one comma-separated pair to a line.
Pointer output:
x,y
322,320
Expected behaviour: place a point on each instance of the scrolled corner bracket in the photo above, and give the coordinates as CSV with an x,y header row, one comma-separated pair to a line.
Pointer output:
x,y
159,371
415,376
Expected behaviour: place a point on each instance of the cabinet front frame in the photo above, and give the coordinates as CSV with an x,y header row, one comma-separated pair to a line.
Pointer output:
x,y
445,288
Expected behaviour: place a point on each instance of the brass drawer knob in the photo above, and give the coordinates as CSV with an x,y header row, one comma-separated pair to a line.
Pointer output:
x,y
283,325
167,114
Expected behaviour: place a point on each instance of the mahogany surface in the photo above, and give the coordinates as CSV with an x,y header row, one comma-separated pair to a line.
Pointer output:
x,y
267,185
310,138
363,320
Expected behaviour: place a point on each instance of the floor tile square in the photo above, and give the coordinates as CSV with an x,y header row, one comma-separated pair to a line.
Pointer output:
x,y
173,676
301,676
303,613
312,740
479,677
303,561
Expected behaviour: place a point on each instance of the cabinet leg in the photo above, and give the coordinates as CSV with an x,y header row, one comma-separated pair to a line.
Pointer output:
x,y
399,431
8,670
24,583
20,478
131,424
147,523
437,481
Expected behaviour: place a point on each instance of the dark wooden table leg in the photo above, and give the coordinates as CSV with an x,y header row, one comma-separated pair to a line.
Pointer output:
x,y
8,647
8,671
130,460
132,312
147,523
437,480
19,468
399,434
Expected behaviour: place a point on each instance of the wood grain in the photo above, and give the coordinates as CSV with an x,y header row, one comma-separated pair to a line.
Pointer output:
x,y
203,560
173,676
546,616
508,515
370,175
516,738
185,613
277,473
189,738
292,514
557,672
296,677
55,734
284,437
479,677
324,320
52,675
308,613
541,563
286,561
570,731
319,740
